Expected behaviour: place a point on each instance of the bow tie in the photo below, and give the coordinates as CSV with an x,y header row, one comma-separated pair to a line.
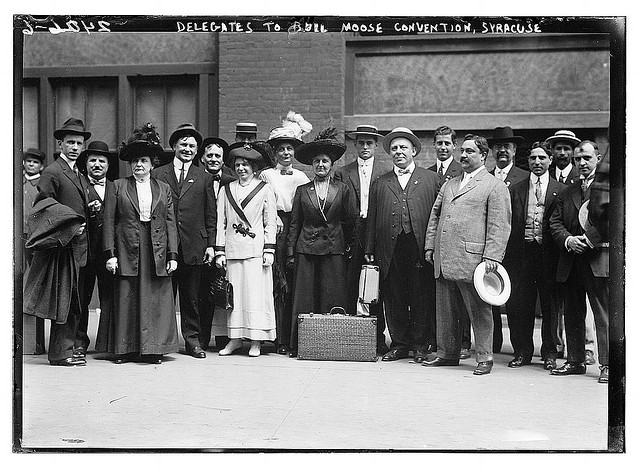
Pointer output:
x,y
286,172
404,171
96,182
216,177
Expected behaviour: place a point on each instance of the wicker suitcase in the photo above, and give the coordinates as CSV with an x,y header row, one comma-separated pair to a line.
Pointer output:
x,y
336,337
369,285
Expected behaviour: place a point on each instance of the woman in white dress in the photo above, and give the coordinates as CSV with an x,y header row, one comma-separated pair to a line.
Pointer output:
x,y
245,246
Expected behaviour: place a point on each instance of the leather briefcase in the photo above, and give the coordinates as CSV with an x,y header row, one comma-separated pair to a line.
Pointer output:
x,y
369,286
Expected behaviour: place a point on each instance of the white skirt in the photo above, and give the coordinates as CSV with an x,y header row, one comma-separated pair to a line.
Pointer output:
x,y
253,316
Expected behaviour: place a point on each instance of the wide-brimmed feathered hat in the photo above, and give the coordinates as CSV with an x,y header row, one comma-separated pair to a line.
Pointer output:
x,y
326,143
145,141
259,152
293,128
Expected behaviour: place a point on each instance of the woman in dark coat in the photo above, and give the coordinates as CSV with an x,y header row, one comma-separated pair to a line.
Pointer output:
x,y
140,243
322,222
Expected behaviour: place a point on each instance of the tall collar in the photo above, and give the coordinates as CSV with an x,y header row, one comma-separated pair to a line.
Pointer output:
x,y
177,164
410,169
31,178
368,162
72,164
506,169
544,179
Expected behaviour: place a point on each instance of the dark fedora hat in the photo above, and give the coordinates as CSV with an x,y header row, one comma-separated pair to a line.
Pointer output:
x,y
71,126
404,133
34,153
325,143
210,141
185,130
504,134
144,141
365,130
257,152
97,148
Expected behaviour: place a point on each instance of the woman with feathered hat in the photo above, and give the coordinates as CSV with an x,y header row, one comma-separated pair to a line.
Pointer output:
x,y
245,245
284,179
322,221
141,245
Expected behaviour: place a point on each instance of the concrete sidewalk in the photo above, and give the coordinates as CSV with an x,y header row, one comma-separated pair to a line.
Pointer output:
x,y
277,403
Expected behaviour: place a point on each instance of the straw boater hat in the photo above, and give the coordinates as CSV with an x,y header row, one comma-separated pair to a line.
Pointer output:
x,y
293,128
259,152
493,288
185,130
34,153
565,136
145,141
404,133
366,130
71,126
246,128
210,141
504,134
325,143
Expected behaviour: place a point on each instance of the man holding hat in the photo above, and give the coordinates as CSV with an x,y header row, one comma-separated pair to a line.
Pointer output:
x,y
583,265
62,182
562,143
32,166
469,225
211,154
194,203
359,176
95,162
399,205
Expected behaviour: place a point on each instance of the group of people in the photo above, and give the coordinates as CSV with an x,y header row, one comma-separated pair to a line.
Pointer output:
x,y
208,213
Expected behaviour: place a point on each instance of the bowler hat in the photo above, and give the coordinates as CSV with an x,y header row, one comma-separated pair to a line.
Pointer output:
x,y
96,148
185,130
33,153
366,130
404,133
504,134
325,143
257,152
493,288
210,141
565,136
71,126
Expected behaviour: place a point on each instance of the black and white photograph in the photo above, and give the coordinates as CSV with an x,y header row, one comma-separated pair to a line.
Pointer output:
x,y
287,234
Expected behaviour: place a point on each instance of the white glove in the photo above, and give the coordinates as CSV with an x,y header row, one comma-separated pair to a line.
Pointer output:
x,y
221,261
112,265
171,266
267,259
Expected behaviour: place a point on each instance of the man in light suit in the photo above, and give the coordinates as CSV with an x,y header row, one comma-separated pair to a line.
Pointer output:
x,y
62,181
469,224
95,162
194,203
504,145
359,175
399,206
531,260
583,266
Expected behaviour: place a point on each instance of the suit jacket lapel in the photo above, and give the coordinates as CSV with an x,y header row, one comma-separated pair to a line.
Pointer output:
x,y
190,176
354,175
413,182
394,185
332,191
73,177
550,194
170,178
132,193
576,196
311,193
155,194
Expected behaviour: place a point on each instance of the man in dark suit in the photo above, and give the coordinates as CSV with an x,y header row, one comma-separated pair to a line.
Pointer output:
x,y
359,175
211,154
531,260
399,205
504,145
469,224
62,181
583,266
94,162
562,143
194,203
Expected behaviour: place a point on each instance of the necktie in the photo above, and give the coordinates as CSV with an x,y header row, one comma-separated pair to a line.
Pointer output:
x,y
585,187
538,190
561,178
96,182
181,179
216,177
440,173
286,172
403,171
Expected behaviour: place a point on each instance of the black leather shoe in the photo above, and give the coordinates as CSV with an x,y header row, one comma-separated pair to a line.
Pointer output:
x,y
282,350
465,353
154,359
420,354
382,348
439,361
293,353
519,361
483,368
395,354
549,364
70,361
197,352
570,369
80,352
589,358
604,374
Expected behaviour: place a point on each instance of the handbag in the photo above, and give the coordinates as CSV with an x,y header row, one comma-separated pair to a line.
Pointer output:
x,y
222,290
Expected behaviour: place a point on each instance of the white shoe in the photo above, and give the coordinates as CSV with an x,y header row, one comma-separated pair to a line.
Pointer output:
x,y
254,351
233,345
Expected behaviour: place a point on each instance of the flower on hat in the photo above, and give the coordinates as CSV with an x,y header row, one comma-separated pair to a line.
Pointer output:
x,y
293,126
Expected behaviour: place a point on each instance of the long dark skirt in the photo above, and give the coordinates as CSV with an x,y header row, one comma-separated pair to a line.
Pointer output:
x,y
141,318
